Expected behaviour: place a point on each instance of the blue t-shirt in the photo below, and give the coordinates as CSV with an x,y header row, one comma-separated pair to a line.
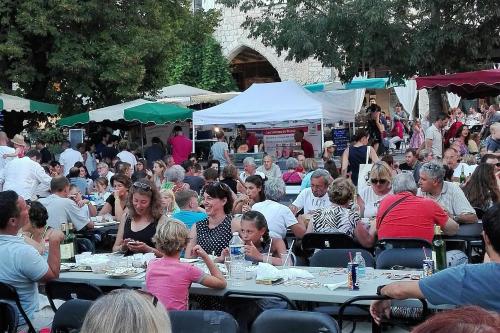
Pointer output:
x,y
464,285
21,266
189,217
492,144
306,181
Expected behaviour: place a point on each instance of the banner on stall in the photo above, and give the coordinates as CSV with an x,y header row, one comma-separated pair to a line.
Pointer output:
x,y
280,143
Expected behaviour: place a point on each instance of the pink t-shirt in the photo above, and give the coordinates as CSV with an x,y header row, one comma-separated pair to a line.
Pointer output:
x,y
169,280
181,148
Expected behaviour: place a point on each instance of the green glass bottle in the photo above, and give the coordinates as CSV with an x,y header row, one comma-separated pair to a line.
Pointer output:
x,y
462,176
68,245
438,249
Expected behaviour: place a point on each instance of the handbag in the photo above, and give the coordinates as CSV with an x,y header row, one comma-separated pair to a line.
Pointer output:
x,y
364,172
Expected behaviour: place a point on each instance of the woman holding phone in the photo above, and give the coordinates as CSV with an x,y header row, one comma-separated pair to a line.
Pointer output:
x,y
138,227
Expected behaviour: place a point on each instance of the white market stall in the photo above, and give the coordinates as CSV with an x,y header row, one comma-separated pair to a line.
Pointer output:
x,y
274,103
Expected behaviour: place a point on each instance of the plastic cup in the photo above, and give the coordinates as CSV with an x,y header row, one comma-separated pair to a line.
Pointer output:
x,y
288,262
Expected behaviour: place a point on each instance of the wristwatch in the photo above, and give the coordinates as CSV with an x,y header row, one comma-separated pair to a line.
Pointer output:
x,y
379,289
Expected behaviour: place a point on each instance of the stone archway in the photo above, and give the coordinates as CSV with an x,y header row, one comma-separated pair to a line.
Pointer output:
x,y
249,66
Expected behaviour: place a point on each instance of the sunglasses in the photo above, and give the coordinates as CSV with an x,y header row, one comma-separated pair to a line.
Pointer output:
x,y
142,186
378,181
148,294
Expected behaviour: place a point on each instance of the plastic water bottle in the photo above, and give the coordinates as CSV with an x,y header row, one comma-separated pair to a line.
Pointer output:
x,y
237,253
237,248
361,264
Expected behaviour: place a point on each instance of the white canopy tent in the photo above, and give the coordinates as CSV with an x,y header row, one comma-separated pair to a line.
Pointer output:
x,y
273,102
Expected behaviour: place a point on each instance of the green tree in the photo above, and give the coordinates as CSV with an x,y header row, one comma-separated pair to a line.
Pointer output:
x,y
408,36
200,62
88,54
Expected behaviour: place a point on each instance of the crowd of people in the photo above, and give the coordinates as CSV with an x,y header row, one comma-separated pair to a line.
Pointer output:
x,y
171,206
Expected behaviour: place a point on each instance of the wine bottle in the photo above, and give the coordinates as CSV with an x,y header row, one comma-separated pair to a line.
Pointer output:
x,y
68,244
438,250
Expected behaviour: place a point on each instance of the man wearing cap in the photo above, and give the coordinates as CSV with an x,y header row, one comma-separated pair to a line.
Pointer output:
x,y
245,141
328,150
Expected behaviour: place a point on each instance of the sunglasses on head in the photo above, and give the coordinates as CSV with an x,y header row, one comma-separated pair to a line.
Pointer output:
x,y
148,294
378,181
142,186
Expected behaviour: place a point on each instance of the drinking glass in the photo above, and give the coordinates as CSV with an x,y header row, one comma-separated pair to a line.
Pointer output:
x,y
289,262
227,263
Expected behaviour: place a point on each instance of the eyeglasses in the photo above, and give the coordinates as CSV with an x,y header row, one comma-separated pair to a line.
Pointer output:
x,y
142,186
148,294
378,181
498,164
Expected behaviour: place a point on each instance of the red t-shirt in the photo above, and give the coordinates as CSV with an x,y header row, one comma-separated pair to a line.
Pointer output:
x,y
414,217
181,148
308,149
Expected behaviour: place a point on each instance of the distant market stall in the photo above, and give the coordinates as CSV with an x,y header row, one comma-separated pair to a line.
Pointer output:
x,y
15,109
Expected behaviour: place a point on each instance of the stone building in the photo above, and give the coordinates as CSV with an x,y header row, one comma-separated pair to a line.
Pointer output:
x,y
251,61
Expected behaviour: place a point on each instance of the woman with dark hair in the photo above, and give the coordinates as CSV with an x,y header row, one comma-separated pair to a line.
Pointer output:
x,y
229,176
140,170
116,204
75,179
331,167
482,190
461,140
84,173
356,154
37,232
254,192
375,127
214,233
138,226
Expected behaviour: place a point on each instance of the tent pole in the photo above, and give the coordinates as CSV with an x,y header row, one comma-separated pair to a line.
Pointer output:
x,y
194,136
142,140
322,135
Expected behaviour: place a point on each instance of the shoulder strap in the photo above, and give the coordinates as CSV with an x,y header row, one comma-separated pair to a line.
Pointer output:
x,y
394,204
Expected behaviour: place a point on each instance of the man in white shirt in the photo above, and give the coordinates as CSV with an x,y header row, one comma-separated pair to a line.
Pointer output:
x,y
316,196
69,157
451,160
434,137
62,209
24,175
451,198
4,149
125,156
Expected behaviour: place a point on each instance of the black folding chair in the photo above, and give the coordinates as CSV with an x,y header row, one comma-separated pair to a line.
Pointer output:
x,y
330,240
258,295
403,313
338,257
401,243
71,290
290,321
202,321
9,293
400,258
8,318
70,315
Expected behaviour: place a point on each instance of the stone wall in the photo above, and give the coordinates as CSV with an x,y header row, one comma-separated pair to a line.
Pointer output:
x,y
233,38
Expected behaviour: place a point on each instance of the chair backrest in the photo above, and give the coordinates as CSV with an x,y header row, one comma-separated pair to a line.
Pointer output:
x,y
8,318
401,243
330,240
9,293
479,212
70,315
202,321
70,290
291,321
405,258
338,257
258,295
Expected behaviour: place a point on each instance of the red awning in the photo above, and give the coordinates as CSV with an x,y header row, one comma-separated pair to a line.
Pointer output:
x,y
466,85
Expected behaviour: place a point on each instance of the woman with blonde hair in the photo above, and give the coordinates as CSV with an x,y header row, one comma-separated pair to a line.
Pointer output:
x,y
339,217
138,226
380,178
168,278
168,203
126,311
